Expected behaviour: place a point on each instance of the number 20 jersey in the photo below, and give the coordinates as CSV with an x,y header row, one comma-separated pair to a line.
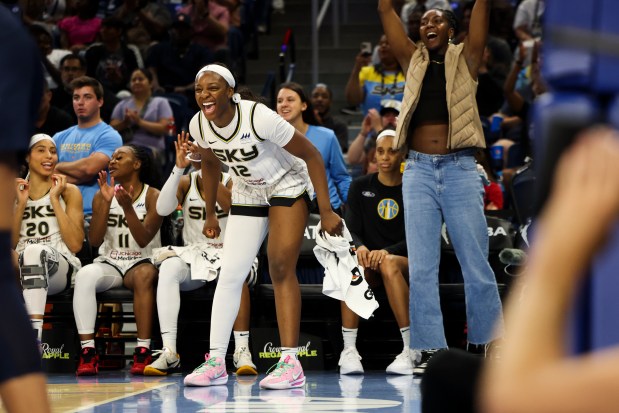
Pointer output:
x,y
40,226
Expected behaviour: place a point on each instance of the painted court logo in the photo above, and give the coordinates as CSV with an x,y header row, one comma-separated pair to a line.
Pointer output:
x,y
48,352
272,352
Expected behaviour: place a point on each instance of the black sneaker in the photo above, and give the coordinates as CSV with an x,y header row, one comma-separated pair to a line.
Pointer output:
x,y
426,355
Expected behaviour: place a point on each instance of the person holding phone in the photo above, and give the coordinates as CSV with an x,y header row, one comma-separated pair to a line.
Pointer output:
x,y
368,84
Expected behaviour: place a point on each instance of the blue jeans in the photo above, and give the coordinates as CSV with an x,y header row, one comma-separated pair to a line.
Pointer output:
x,y
447,188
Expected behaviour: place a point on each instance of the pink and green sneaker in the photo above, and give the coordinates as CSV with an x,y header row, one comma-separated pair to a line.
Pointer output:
x,y
286,374
210,373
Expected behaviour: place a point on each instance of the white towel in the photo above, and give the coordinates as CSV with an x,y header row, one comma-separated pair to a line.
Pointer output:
x,y
203,258
344,278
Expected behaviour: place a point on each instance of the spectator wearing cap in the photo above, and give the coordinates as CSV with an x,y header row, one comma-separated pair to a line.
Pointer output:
x,y
175,62
321,99
111,61
373,122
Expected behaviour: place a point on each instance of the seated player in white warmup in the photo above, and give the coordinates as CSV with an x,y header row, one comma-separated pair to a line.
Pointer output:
x,y
48,229
125,226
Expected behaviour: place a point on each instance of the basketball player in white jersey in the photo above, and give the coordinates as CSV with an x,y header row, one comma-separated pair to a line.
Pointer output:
x,y
269,161
125,226
48,229
189,267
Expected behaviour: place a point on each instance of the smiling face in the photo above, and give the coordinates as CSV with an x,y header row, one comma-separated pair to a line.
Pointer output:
x,y
213,96
289,105
435,31
124,163
42,158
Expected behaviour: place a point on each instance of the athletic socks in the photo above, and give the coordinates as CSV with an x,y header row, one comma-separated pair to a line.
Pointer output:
x,y
168,343
144,342
87,343
241,339
406,336
37,325
290,351
350,337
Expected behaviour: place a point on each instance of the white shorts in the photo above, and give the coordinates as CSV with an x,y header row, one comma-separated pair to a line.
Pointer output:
x,y
255,201
123,265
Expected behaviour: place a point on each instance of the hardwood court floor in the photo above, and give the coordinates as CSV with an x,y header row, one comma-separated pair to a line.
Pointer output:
x,y
118,391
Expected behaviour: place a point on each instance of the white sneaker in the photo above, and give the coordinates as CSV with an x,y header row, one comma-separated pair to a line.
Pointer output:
x,y
165,362
243,363
404,362
350,361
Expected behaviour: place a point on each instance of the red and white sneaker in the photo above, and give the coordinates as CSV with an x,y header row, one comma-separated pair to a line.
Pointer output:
x,y
89,362
286,374
142,357
210,373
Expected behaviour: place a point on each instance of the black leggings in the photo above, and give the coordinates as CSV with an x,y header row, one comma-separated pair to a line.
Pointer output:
x,y
18,343
450,382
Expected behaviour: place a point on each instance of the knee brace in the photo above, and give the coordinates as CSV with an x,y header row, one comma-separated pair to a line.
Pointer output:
x,y
37,276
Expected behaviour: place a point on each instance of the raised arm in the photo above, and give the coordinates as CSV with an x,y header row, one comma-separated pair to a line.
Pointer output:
x,y
354,91
142,231
71,218
401,45
173,190
475,42
100,210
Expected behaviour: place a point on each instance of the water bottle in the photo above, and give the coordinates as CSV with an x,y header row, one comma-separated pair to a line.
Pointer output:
x,y
496,157
178,221
171,128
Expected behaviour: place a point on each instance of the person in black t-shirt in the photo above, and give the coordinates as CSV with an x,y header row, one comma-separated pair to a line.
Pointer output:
x,y
375,219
